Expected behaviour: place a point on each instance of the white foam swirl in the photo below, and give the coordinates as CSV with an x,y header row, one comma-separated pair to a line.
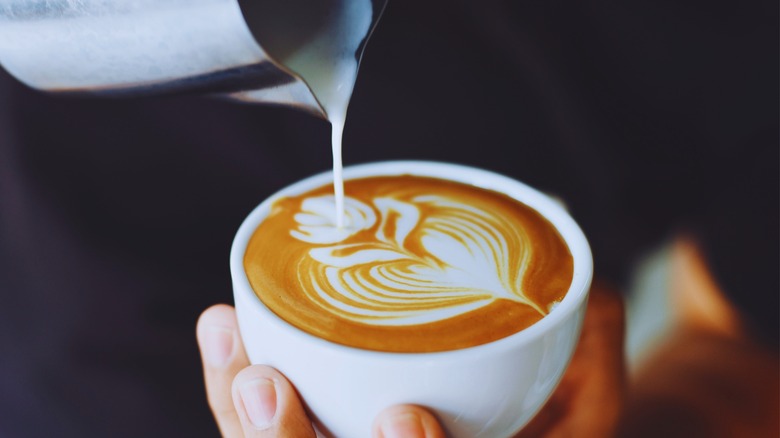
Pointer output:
x,y
317,222
432,258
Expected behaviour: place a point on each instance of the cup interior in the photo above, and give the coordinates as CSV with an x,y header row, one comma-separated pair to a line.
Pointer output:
x,y
552,210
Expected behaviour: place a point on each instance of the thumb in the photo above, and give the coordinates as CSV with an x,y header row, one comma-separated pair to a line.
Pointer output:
x,y
268,406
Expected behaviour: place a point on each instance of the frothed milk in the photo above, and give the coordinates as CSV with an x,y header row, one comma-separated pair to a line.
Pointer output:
x,y
329,66
421,264
327,61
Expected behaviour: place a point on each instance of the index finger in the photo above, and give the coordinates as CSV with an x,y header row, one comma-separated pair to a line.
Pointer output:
x,y
223,356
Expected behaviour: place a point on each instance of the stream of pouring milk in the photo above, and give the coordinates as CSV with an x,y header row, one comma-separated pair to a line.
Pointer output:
x,y
329,65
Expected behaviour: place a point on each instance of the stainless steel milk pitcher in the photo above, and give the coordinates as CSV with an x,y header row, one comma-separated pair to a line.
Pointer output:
x,y
137,47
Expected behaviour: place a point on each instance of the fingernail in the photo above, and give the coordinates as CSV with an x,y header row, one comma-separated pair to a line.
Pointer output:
x,y
259,397
217,345
402,425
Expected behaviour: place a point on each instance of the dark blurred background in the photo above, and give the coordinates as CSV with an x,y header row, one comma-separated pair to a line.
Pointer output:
x,y
116,216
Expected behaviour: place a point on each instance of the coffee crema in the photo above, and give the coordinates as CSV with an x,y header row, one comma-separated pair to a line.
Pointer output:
x,y
421,264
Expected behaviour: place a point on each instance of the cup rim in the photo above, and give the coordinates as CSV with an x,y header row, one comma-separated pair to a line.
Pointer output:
x,y
550,209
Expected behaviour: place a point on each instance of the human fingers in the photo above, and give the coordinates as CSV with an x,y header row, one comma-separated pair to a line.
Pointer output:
x,y
223,356
268,406
590,397
598,377
406,421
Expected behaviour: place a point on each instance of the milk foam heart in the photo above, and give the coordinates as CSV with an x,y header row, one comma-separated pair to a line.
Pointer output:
x,y
459,262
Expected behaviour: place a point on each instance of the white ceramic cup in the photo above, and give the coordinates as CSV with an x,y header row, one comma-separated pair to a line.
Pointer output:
x,y
490,390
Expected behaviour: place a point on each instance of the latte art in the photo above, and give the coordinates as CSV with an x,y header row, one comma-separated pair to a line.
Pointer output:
x,y
420,264
431,258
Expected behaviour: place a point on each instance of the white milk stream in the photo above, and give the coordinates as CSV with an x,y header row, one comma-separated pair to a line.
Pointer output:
x,y
328,63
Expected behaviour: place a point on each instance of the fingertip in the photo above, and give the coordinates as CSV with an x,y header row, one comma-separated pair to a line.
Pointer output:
x,y
407,421
266,401
258,372
221,315
218,338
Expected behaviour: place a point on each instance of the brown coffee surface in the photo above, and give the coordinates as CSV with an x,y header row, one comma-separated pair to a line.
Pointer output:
x,y
421,265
